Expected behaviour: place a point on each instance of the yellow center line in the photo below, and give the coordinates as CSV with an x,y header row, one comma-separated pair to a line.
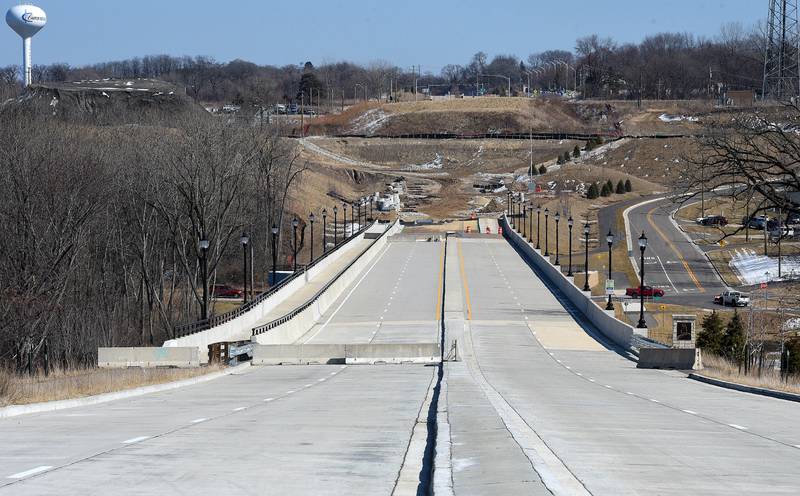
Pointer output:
x,y
672,246
441,282
464,281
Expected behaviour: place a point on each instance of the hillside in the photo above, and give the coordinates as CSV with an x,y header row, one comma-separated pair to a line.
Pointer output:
x,y
109,102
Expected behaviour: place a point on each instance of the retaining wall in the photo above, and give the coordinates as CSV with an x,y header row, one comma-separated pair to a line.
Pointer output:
x,y
615,330
291,330
148,357
670,358
303,354
239,329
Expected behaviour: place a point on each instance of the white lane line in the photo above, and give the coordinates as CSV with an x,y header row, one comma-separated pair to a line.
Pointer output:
x,y
135,440
629,393
654,400
291,391
308,385
578,374
690,412
608,387
666,274
737,426
591,380
559,361
267,400
28,473
322,380
241,408
197,421
568,367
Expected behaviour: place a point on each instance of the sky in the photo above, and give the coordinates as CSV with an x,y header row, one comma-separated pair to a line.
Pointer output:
x,y
428,33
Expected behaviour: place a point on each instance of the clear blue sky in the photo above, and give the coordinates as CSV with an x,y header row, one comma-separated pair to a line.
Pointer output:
x,y
431,33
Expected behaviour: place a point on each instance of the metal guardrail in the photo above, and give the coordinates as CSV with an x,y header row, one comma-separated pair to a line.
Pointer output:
x,y
215,320
282,320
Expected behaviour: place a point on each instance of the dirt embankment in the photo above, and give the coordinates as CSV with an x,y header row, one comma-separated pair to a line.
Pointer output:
x,y
109,102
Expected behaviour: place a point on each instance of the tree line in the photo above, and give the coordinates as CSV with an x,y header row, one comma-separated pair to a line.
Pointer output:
x,y
661,66
101,233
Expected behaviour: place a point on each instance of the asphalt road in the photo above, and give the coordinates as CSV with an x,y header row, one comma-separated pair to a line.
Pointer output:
x,y
672,262
582,416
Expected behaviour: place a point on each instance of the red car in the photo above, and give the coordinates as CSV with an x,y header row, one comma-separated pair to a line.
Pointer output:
x,y
225,291
648,291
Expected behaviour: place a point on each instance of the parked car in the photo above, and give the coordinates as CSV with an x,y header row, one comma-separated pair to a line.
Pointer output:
x,y
713,220
732,299
225,291
647,291
294,108
757,222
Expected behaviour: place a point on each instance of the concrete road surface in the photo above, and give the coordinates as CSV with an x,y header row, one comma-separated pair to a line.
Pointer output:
x,y
273,430
396,300
672,262
581,416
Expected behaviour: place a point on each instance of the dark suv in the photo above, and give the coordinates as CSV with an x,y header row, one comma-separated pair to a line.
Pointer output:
x,y
714,220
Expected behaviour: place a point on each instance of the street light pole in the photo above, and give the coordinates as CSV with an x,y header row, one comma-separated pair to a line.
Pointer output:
x,y
274,254
335,227
610,241
642,247
244,240
546,229
586,259
524,218
538,218
204,262
324,230
295,223
311,219
344,222
530,224
558,218
570,223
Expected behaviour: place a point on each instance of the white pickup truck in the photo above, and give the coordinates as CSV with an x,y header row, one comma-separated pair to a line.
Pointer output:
x,y
732,299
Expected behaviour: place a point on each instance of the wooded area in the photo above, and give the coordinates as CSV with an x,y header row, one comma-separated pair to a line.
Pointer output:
x,y
662,66
101,227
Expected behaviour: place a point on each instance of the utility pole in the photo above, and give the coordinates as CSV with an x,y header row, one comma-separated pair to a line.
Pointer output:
x,y
781,65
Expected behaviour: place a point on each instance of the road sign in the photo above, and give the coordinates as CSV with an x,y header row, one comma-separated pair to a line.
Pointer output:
x,y
662,307
609,286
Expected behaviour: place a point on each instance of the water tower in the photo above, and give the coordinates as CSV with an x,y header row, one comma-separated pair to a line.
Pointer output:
x,y
26,20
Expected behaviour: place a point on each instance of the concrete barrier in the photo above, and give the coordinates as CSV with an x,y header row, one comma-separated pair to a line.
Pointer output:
x,y
670,358
356,354
393,353
240,328
604,320
298,354
148,357
291,330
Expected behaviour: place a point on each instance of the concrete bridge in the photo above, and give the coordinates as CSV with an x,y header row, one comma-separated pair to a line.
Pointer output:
x,y
538,393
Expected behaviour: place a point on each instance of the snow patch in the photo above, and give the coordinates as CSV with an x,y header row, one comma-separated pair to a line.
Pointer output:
x,y
677,118
435,164
752,268
369,122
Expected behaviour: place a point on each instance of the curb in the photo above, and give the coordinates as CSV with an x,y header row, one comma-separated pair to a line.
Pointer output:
x,y
781,395
51,406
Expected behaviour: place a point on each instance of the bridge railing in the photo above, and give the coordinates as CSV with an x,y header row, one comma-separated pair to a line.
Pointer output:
x,y
216,320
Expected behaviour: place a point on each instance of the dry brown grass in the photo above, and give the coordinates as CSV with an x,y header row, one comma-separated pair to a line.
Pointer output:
x,y
61,385
719,368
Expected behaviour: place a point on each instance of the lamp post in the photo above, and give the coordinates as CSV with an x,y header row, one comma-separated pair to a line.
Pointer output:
x,y
344,222
244,240
324,230
204,268
586,259
610,241
538,218
311,219
524,218
274,254
558,218
642,247
295,223
352,219
546,236
530,224
570,223
335,227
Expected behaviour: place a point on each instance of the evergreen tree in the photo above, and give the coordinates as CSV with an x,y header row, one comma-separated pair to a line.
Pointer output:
x,y
566,157
734,339
709,339
793,347
620,188
592,193
628,186
606,191
542,169
560,160
610,186
576,152
589,146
